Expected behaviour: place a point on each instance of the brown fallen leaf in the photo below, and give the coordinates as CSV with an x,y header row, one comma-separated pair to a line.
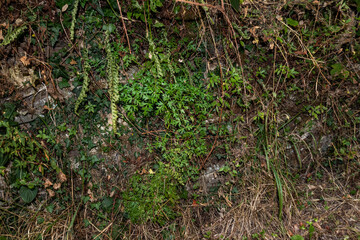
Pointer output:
x,y
300,53
253,30
25,60
228,202
18,21
194,203
41,169
57,186
47,183
91,195
50,192
47,108
64,8
143,171
1,35
317,225
73,62
271,45
62,177
112,193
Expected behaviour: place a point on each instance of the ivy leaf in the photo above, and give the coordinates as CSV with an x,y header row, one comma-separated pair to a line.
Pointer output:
x,y
107,202
109,27
27,194
292,22
236,4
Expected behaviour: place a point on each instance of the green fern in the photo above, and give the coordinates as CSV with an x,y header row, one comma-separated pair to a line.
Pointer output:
x,y
170,171
73,14
85,87
153,55
12,34
113,80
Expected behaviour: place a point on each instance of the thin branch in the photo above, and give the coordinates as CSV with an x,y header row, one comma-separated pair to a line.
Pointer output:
x,y
122,20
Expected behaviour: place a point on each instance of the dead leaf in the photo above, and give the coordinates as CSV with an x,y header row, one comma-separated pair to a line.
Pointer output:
x,y
48,108
317,225
91,195
194,203
25,60
47,183
18,21
143,171
311,187
253,30
73,62
204,204
50,192
278,17
246,11
62,177
300,53
296,228
41,169
64,8
112,193
271,45
1,35
109,117
57,186
228,202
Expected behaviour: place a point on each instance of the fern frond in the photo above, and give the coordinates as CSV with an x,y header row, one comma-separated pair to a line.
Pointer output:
x,y
12,35
153,54
85,87
73,21
113,80
170,171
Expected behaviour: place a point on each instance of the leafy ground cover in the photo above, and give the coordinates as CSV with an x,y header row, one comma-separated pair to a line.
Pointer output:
x,y
162,119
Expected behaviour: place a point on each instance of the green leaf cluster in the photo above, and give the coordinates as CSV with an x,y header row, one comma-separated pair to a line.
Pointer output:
x,y
29,159
151,197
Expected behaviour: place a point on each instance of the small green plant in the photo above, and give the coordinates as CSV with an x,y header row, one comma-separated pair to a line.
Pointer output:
x,y
151,197
12,34
85,86
208,235
316,111
150,6
30,161
311,227
284,70
297,237
339,71
73,21
113,77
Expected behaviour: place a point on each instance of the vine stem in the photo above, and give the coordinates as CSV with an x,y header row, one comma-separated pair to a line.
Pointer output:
x,y
122,20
